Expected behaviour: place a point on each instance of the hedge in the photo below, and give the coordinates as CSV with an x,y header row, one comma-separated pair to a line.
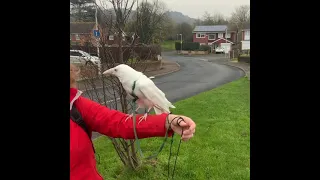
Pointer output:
x,y
187,46
205,48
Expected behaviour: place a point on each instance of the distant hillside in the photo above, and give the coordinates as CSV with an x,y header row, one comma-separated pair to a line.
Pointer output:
x,y
178,17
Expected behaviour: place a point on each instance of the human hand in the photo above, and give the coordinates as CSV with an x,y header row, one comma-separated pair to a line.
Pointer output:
x,y
179,123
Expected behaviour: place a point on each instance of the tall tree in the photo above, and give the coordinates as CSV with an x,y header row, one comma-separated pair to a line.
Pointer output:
x,y
150,21
166,31
239,17
186,30
215,19
207,19
122,9
219,19
197,22
82,10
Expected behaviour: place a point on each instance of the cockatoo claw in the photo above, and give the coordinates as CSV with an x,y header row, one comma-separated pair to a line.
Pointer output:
x,y
144,117
129,116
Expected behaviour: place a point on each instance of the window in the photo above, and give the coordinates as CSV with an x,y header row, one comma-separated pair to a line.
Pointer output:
x,y
220,35
228,35
111,37
77,36
212,36
73,53
199,35
247,35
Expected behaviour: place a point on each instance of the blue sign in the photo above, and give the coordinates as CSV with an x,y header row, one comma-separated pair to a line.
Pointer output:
x,y
96,33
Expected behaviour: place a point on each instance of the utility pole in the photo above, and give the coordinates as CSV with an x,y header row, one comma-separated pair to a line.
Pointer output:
x,y
97,39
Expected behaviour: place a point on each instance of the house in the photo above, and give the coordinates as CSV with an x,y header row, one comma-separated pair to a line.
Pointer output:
x,y
82,32
214,35
245,41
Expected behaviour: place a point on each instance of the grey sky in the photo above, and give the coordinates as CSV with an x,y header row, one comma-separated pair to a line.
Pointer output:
x,y
196,8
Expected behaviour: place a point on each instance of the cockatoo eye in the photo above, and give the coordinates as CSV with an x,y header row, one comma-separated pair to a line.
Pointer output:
x,y
115,69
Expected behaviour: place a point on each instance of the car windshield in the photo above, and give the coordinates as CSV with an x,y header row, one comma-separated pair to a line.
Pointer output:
x,y
86,54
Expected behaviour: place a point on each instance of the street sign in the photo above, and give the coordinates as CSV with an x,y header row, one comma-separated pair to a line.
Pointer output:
x,y
96,33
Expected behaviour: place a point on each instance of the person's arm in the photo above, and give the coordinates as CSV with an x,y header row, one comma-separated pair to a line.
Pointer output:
x,y
112,123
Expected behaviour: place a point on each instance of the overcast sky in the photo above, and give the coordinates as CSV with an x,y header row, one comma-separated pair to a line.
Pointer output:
x,y
196,8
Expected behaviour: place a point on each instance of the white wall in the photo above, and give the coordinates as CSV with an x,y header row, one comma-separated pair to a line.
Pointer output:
x,y
247,35
226,46
245,45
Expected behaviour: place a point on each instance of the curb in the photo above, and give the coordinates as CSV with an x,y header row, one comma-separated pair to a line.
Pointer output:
x,y
178,69
157,75
245,72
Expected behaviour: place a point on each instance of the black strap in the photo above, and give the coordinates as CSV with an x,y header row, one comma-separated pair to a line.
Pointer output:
x,y
132,94
77,118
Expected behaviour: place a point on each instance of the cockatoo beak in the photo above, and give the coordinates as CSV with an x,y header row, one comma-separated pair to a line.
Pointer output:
x,y
107,72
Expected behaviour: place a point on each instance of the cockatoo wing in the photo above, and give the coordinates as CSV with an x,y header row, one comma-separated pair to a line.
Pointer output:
x,y
150,91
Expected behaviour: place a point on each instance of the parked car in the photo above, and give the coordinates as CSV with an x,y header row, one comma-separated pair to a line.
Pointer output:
x,y
78,56
219,50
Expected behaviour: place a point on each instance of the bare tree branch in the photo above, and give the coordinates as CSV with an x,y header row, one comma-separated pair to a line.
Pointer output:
x,y
240,16
108,91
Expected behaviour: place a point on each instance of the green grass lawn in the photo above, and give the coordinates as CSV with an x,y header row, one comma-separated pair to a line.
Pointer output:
x,y
168,45
234,60
245,55
220,149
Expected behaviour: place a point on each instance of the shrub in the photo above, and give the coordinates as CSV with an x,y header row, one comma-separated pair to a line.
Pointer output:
x,y
205,48
177,46
187,46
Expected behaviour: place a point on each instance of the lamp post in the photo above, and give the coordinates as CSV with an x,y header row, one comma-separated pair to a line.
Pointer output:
x,y
180,42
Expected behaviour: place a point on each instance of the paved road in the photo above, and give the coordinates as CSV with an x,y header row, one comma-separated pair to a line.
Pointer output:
x,y
197,74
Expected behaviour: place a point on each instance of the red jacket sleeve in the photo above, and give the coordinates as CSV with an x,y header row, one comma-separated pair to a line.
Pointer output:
x,y
112,122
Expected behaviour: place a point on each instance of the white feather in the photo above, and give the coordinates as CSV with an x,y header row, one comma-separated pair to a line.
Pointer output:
x,y
148,93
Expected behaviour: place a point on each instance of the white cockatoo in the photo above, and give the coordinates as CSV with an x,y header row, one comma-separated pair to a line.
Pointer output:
x,y
142,88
